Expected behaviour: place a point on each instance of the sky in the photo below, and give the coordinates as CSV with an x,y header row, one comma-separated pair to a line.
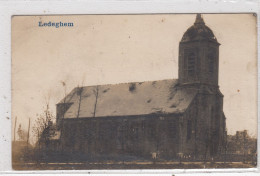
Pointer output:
x,y
109,49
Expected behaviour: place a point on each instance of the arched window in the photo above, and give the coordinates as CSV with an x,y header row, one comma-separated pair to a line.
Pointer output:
x,y
191,64
211,59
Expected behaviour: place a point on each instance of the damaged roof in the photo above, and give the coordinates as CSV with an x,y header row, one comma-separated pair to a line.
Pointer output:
x,y
127,99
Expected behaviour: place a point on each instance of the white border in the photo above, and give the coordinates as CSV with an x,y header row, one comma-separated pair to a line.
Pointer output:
x,y
48,7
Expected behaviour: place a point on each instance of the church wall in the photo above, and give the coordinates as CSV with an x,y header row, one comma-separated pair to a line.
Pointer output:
x,y
209,124
133,136
189,131
61,108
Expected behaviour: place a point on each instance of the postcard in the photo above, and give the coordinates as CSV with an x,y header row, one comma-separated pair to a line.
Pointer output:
x,y
143,91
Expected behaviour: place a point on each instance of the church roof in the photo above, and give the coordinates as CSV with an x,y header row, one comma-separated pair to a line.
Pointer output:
x,y
198,31
128,99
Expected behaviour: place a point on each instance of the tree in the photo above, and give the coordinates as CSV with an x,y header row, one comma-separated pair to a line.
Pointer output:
x,y
21,133
243,145
43,131
43,128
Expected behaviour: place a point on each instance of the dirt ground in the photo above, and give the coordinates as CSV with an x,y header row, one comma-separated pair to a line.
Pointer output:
x,y
129,165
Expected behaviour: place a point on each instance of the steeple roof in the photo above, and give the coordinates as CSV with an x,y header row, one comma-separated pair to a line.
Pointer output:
x,y
198,31
199,20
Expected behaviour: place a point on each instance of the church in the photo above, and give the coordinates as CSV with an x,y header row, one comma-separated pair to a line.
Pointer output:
x,y
172,118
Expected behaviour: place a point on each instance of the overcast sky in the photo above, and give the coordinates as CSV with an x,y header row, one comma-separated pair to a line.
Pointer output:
x,y
108,49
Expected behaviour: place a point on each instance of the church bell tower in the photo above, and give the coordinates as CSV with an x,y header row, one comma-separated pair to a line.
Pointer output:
x,y
198,71
198,55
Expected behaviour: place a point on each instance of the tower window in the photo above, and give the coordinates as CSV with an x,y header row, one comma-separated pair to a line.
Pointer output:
x,y
211,62
191,64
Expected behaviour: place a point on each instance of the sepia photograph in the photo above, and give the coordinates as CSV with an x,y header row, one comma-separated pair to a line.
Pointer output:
x,y
142,91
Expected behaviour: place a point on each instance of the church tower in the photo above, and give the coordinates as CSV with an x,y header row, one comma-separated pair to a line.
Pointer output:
x,y
198,71
198,55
